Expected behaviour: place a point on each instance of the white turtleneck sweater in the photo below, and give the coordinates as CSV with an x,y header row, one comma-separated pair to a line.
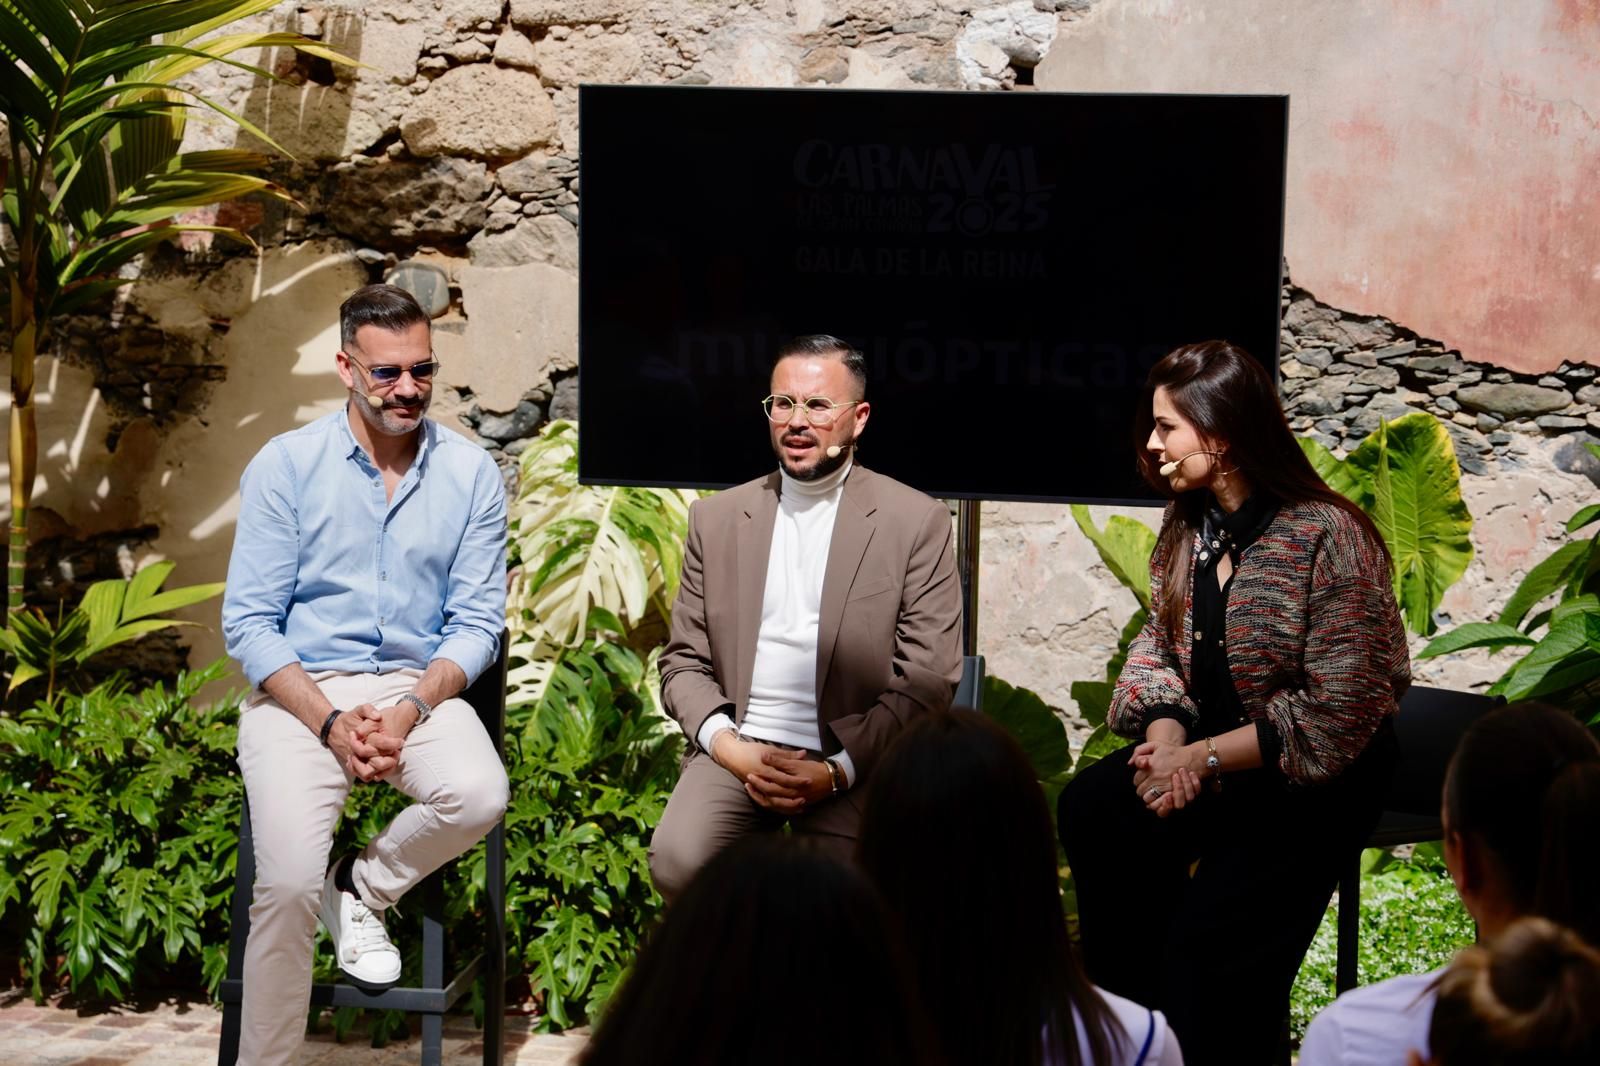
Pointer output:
x,y
783,683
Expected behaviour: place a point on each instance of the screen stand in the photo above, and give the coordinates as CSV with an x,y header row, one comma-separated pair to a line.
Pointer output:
x,y
967,528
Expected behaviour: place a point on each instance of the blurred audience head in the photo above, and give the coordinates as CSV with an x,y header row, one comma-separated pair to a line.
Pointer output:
x,y
1521,817
774,953
958,838
1532,999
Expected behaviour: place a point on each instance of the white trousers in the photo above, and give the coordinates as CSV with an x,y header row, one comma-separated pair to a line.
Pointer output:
x,y
297,790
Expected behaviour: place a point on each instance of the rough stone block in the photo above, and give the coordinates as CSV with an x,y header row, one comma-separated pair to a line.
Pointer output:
x,y
399,205
531,13
532,175
827,64
1383,377
608,58
542,239
1512,400
513,49
481,110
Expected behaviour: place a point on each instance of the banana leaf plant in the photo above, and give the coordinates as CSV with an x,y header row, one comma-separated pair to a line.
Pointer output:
x,y
1561,664
94,106
588,559
1404,475
111,612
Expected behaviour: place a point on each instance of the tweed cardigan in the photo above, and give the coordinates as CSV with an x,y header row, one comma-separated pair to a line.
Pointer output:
x,y
1314,641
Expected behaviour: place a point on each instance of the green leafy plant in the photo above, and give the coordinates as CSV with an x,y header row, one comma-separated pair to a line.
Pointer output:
x,y
597,569
1412,921
1561,664
119,820
1404,475
94,105
587,558
110,613
1125,546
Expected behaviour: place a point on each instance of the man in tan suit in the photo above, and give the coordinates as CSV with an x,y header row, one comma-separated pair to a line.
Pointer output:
x,y
819,613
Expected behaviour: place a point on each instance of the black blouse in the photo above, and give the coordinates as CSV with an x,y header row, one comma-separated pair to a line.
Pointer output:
x,y
1210,682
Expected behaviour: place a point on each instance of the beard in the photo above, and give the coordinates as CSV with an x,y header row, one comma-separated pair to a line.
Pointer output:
x,y
392,419
816,471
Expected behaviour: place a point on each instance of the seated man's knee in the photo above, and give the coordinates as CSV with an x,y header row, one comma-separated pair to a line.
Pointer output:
x,y
480,802
289,889
675,858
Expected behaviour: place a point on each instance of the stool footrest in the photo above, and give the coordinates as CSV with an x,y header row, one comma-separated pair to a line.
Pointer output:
x,y
406,998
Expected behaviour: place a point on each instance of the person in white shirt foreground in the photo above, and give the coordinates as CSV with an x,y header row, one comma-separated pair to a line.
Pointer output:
x,y
957,837
1521,816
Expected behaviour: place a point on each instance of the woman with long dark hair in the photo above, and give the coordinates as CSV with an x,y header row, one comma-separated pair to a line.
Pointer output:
x,y
1260,693
1521,816
775,953
957,837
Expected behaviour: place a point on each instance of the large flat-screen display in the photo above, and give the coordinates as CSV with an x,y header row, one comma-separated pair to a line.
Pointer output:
x,y
1012,264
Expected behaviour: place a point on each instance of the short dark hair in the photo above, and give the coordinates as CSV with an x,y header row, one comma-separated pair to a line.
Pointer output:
x,y
388,307
825,345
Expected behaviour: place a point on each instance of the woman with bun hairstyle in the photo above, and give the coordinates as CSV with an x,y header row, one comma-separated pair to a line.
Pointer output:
x,y
1521,816
1259,698
1533,999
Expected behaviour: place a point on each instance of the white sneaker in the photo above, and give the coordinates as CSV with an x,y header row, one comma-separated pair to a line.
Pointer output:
x,y
360,942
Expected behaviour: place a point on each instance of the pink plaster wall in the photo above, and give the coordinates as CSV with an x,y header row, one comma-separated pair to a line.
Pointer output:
x,y
1444,155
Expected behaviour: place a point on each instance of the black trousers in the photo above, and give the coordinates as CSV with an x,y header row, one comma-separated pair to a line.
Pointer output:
x,y
1216,949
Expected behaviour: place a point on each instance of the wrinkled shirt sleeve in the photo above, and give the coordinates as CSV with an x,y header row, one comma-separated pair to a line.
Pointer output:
x,y
475,598
263,567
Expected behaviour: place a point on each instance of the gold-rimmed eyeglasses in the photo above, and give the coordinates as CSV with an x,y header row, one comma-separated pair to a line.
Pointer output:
x,y
819,409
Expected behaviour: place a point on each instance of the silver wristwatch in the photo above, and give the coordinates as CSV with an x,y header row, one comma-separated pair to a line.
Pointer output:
x,y
423,710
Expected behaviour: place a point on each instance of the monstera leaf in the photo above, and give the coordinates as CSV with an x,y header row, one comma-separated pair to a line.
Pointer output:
x,y
590,555
1405,477
1125,546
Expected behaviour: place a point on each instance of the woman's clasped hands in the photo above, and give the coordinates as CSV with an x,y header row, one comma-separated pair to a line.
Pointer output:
x,y
1163,776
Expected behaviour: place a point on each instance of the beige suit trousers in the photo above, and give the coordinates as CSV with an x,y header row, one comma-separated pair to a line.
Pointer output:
x,y
709,809
297,790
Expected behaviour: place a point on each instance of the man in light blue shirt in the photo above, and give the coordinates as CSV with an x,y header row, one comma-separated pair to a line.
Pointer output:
x,y
365,592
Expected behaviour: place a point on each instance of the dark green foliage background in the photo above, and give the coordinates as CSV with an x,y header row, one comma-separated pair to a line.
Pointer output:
x,y
120,816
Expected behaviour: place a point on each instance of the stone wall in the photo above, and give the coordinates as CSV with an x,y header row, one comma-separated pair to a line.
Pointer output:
x,y
456,145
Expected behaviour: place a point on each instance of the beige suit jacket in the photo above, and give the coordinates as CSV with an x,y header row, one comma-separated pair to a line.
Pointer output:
x,y
889,636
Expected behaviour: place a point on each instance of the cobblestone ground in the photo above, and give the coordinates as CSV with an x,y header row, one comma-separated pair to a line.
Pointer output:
x,y
175,1034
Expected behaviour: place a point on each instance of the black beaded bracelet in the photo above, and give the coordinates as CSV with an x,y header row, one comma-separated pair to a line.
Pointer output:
x,y
327,724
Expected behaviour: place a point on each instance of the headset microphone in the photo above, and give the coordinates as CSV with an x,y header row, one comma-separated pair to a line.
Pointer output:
x,y
1168,469
834,450
374,400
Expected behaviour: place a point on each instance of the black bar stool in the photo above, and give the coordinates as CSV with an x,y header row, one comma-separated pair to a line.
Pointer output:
x,y
1427,729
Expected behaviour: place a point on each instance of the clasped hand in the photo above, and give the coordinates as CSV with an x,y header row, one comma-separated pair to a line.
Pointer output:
x,y
1163,776
368,739
777,779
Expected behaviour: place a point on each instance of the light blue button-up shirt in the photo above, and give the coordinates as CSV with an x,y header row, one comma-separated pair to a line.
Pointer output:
x,y
329,573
